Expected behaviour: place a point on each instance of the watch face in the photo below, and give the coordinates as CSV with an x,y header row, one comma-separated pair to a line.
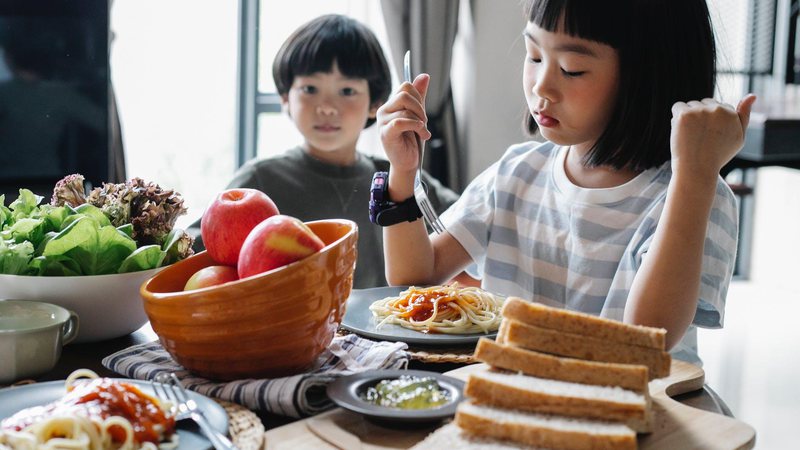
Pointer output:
x,y
377,201
378,187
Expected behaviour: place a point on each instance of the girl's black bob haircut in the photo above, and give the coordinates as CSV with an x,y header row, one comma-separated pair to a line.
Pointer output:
x,y
315,46
666,54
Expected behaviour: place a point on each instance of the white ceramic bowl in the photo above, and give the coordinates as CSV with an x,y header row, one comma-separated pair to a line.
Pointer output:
x,y
31,336
108,306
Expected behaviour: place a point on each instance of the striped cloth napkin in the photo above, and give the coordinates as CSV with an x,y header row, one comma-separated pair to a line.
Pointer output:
x,y
294,396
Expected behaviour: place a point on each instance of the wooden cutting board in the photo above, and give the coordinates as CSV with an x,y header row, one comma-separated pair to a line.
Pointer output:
x,y
677,426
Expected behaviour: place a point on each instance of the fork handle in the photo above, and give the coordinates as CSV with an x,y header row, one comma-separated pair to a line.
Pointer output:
x,y
218,440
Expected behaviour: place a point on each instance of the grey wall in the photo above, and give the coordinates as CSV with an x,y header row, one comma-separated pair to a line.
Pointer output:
x,y
489,88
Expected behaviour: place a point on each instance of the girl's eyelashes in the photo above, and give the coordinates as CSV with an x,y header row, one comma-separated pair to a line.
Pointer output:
x,y
308,89
348,91
572,74
566,73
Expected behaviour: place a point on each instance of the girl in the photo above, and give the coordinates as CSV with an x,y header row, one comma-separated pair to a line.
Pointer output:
x,y
621,213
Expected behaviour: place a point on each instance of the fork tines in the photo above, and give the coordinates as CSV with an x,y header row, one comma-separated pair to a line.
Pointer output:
x,y
168,387
164,395
427,209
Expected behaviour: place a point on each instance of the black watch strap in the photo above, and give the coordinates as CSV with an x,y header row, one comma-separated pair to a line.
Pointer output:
x,y
406,211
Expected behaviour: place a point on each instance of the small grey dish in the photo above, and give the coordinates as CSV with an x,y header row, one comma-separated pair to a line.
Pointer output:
x,y
348,391
358,319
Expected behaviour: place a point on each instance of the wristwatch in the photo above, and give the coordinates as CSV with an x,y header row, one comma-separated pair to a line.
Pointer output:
x,y
385,212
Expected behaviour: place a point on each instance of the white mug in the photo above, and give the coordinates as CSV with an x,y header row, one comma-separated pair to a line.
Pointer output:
x,y
31,336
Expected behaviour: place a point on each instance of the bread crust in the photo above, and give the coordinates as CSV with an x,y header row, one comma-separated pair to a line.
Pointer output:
x,y
542,316
479,425
573,345
487,391
626,376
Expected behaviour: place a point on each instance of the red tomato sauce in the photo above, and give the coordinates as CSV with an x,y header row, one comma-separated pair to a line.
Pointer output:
x,y
419,305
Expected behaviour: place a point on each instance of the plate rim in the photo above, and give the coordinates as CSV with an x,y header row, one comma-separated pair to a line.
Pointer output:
x,y
342,392
207,401
360,295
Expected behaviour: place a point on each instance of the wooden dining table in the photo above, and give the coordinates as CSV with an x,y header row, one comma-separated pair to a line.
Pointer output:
x,y
90,355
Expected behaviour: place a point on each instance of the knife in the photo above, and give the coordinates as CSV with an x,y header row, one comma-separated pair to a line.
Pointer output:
x,y
332,434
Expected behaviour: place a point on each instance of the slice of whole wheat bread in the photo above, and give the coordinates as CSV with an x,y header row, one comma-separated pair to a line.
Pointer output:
x,y
562,343
452,437
626,376
542,316
540,430
540,395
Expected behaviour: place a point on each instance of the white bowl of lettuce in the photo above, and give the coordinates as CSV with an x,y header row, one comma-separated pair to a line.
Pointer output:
x,y
77,258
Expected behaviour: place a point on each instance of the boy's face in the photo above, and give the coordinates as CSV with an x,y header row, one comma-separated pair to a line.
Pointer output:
x,y
329,110
570,85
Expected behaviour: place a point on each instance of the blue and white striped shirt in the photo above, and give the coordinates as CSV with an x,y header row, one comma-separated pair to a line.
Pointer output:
x,y
532,233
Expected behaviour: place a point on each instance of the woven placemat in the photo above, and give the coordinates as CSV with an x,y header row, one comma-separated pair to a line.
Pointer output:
x,y
461,355
244,426
443,355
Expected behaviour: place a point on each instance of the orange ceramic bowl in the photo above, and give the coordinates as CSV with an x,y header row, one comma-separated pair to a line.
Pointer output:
x,y
269,325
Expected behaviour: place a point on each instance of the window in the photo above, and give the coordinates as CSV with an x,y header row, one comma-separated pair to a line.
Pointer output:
x,y
745,33
174,67
269,131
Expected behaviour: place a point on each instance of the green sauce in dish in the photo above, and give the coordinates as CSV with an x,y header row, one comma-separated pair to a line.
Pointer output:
x,y
407,392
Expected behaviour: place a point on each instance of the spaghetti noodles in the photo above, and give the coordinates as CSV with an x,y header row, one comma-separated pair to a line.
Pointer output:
x,y
94,414
441,309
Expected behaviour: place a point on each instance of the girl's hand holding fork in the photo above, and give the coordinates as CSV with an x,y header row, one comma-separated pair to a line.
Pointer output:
x,y
399,118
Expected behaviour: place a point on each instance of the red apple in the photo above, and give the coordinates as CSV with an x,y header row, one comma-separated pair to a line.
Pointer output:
x,y
228,220
211,276
275,242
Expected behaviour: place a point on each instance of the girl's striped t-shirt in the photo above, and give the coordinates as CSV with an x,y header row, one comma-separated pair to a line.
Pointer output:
x,y
534,234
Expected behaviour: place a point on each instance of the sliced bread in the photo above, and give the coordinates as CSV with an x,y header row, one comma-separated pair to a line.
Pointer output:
x,y
542,316
573,345
540,430
540,395
626,376
452,437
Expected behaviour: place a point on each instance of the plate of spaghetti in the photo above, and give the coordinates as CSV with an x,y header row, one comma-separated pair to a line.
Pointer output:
x,y
89,412
435,315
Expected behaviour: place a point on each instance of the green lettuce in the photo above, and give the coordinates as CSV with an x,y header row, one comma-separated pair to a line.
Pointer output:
x,y
25,204
96,249
68,240
143,258
56,266
25,229
5,213
15,258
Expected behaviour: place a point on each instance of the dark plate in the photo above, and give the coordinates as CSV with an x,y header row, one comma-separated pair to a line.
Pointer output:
x,y
358,319
347,391
16,398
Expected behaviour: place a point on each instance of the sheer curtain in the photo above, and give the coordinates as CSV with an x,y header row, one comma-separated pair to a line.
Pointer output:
x,y
428,29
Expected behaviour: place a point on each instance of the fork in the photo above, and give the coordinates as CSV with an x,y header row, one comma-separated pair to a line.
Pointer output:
x,y
420,190
168,388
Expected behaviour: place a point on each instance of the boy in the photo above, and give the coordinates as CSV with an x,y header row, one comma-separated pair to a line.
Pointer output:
x,y
332,77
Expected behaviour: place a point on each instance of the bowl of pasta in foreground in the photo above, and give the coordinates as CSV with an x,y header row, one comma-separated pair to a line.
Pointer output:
x,y
269,325
29,420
